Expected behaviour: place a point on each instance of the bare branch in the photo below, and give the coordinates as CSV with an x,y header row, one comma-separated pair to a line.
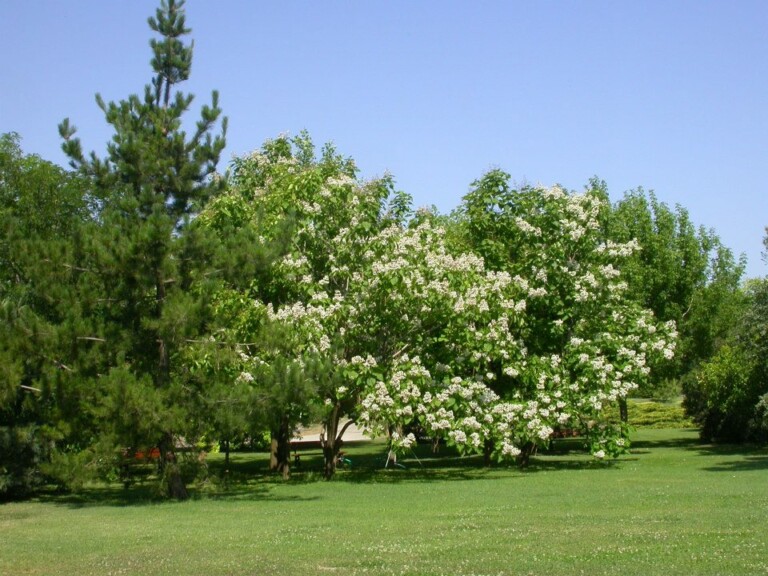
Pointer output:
x,y
76,268
217,343
400,352
63,366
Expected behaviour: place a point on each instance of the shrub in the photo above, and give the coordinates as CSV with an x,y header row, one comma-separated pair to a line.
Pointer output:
x,y
644,414
722,396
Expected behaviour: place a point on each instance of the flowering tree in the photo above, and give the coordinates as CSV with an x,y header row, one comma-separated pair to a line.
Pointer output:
x,y
491,353
588,343
293,208
366,297
414,336
488,360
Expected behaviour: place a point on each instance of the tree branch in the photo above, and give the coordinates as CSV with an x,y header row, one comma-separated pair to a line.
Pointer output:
x,y
343,429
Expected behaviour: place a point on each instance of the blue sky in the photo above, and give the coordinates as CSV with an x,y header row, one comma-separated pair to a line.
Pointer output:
x,y
668,95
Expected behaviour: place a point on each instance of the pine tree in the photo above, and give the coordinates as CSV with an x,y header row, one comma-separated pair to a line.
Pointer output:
x,y
148,258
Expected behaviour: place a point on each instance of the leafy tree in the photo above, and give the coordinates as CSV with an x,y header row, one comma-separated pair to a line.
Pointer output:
x,y
146,257
727,395
255,385
682,273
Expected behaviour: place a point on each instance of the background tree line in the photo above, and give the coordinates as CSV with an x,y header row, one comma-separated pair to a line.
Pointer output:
x,y
149,301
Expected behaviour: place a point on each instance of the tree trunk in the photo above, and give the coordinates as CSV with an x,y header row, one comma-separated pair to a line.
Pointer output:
x,y
226,455
272,451
169,470
176,487
623,410
488,447
330,445
331,441
163,364
280,457
525,454
169,466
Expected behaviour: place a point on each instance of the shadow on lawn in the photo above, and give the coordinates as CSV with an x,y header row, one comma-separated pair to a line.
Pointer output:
x,y
447,466
244,489
741,457
115,496
246,478
737,457
680,442
367,463
748,464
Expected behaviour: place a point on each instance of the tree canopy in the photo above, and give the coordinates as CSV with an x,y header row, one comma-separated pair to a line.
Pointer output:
x,y
150,302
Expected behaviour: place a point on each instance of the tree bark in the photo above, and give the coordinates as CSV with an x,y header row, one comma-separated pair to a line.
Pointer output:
x,y
525,454
176,487
169,469
280,457
623,410
331,441
488,447
330,448
272,451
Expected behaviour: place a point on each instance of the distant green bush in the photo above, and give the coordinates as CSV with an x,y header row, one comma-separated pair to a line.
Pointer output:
x,y
649,414
725,394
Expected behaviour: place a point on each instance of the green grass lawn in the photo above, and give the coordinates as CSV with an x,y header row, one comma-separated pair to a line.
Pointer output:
x,y
672,507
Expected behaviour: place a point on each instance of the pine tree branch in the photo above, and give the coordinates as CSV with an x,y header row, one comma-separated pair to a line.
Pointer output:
x,y
75,268
60,365
30,388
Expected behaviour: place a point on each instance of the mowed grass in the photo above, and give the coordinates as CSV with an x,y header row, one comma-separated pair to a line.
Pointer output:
x,y
672,507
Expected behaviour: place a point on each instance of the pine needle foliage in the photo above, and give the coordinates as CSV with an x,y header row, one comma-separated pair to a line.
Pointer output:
x,y
151,264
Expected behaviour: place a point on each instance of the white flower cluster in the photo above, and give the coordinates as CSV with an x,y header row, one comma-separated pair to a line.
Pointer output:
x,y
619,249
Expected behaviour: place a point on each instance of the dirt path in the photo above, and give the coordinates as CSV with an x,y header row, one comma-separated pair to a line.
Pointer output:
x,y
311,434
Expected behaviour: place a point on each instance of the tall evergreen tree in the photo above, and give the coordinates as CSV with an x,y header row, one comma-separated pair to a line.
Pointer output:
x,y
148,258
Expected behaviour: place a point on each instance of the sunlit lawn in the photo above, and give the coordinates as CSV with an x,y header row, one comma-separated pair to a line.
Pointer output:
x,y
672,507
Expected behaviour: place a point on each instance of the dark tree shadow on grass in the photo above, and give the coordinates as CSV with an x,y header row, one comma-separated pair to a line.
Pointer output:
x,y
424,466
247,478
741,457
681,442
748,464
115,496
120,497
